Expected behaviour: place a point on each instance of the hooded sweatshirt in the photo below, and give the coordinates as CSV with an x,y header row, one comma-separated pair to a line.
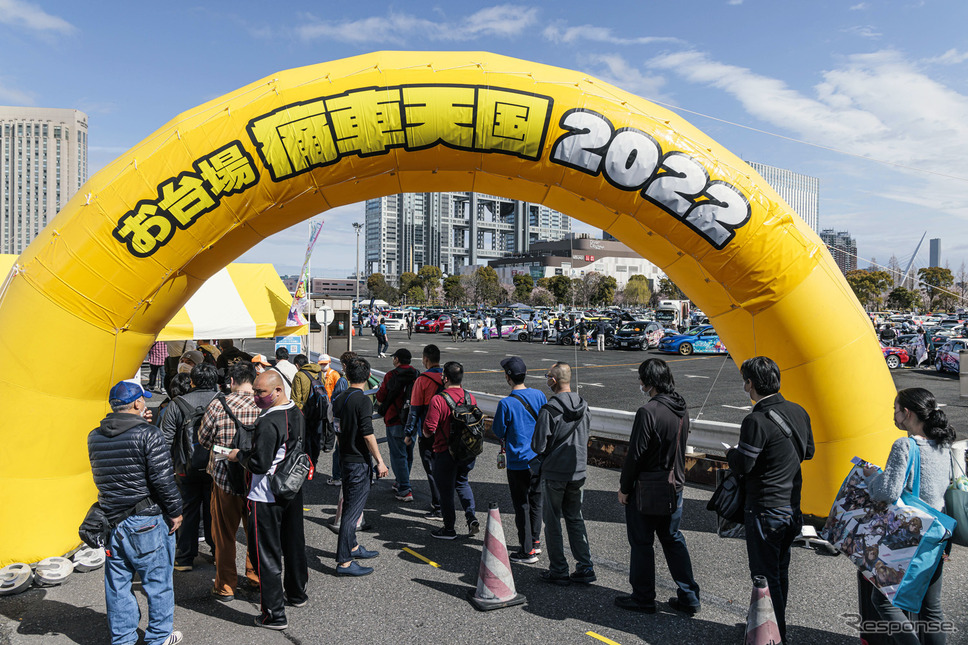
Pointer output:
x,y
301,385
561,437
130,461
652,444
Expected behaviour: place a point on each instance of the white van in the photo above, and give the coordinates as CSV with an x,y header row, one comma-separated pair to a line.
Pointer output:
x,y
395,320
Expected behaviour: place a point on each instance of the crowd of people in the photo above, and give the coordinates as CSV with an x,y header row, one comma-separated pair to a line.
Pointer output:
x,y
245,418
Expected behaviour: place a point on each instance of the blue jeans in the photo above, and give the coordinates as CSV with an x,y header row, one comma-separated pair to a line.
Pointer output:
x,y
356,489
451,476
930,613
140,544
769,536
563,499
642,531
401,457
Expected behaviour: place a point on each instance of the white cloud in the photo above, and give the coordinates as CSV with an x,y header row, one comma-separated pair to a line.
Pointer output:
x,y
24,14
735,2
616,70
558,33
860,6
502,21
950,57
13,96
864,31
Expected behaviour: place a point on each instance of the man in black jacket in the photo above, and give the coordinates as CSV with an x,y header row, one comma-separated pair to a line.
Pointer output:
x,y
277,525
395,387
773,440
657,444
132,470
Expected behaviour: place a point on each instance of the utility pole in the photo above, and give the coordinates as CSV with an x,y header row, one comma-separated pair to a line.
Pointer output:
x,y
358,226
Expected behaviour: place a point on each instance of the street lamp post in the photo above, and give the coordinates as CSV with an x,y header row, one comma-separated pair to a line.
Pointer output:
x,y
358,226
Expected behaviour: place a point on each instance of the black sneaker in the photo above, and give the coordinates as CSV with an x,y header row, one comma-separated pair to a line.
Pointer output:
x,y
434,514
473,527
689,610
561,581
444,534
297,603
524,558
584,576
630,603
537,547
276,625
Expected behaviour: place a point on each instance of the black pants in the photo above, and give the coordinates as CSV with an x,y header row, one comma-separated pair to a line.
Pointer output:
x,y
526,498
452,476
153,375
769,536
642,531
171,368
277,540
356,489
196,494
426,447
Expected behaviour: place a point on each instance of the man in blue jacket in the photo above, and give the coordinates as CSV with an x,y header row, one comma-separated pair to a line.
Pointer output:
x,y
131,464
514,426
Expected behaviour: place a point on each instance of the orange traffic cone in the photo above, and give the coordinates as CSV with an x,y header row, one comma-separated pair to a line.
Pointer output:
x,y
761,627
495,584
338,518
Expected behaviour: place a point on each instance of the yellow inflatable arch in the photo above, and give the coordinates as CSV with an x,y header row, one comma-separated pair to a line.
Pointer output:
x,y
86,299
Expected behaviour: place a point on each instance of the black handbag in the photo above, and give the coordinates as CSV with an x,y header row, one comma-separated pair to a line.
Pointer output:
x,y
291,473
729,499
95,530
656,492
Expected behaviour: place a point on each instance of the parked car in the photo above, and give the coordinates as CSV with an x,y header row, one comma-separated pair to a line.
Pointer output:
x,y
511,329
395,320
699,340
434,323
895,356
948,358
640,334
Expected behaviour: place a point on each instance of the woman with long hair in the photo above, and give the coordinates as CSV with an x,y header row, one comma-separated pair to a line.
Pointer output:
x,y
916,413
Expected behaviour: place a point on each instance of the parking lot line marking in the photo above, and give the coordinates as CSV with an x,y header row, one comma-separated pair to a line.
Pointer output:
x,y
608,641
417,555
695,376
480,351
739,407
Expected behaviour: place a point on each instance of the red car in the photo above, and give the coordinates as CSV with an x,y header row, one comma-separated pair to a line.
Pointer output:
x,y
895,356
434,323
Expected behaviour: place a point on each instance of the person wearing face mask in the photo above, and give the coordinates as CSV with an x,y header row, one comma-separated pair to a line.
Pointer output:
x,y
657,444
190,359
279,546
773,441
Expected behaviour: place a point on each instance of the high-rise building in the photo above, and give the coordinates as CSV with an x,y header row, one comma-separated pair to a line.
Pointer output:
x,y
801,192
450,230
842,247
934,252
43,162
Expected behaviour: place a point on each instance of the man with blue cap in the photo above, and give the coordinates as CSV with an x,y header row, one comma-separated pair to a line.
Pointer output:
x,y
131,464
514,426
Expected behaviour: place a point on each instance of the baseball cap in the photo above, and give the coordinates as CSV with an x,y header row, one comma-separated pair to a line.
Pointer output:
x,y
259,358
194,356
403,354
125,392
324,359
514,366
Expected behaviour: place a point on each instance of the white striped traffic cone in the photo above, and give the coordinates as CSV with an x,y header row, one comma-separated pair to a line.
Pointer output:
x,y
338,518
761,627
495,583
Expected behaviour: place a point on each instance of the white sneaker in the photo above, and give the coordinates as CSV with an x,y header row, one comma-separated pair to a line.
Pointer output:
x,y
174,637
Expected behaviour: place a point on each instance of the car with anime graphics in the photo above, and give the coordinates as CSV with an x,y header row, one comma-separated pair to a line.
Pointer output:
x,y
948,356
434,323
512,329
895,356
699,340
638,334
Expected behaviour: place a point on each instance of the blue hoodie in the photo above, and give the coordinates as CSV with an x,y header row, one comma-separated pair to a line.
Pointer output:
x,y
514,425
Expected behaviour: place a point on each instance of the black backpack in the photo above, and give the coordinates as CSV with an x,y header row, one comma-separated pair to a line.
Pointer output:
x,y
186,454
244,434
466,439
320,434
401,385
293,471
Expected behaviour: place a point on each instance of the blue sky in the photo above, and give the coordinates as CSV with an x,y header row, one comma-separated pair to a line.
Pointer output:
x,y
871,97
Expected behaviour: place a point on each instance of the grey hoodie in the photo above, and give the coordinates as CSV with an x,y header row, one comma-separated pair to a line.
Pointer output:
x,y
561,437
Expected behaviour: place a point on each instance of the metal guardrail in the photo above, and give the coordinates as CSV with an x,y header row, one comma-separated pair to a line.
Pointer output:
x,y
616,425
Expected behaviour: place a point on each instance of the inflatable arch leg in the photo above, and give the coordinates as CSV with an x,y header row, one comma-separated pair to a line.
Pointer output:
x,y
132,246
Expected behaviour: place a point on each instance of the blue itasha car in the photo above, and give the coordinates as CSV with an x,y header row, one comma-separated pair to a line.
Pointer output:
x,y
699,340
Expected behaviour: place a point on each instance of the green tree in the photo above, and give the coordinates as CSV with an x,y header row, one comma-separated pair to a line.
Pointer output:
x,y
523,285
378,287
937,284
605,291
560,287
637,291
903,299
668,289
544,283
416,295
407,279
869,286
429,276
453,290
487,286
